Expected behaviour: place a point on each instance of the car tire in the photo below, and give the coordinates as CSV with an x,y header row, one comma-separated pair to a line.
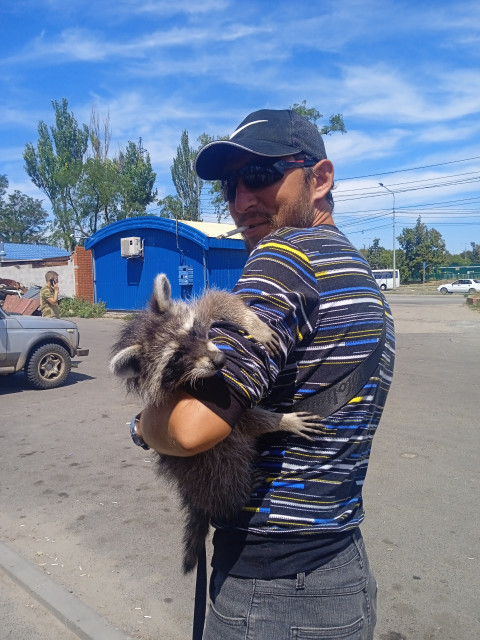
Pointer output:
x,y
383,287
472,290
48,366
444,290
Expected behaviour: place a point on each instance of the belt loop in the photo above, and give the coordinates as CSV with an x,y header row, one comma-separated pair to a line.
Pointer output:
x,y
300,584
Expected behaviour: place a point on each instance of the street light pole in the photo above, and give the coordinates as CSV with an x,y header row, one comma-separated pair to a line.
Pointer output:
x,y
394,240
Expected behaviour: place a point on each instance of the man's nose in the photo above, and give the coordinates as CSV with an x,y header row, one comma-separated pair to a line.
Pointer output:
x,y
245,198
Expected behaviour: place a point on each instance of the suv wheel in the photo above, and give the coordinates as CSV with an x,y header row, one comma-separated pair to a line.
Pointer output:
x,y
383,287
48,366
472,290
444,290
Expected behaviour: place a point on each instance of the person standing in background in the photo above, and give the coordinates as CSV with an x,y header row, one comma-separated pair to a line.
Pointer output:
x,y
49,296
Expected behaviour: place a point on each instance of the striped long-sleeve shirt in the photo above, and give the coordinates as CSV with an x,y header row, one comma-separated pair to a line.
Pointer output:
x,y
317,291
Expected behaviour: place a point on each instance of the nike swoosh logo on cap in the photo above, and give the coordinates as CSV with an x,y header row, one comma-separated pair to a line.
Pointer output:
x,y
249,124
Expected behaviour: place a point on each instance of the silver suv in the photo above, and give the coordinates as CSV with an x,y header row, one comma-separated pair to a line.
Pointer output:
x,y
42,347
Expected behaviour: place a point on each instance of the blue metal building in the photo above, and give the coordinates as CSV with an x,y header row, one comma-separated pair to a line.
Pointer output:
x,y
127,255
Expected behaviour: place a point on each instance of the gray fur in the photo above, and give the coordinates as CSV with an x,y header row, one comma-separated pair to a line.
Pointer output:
x,y
166,346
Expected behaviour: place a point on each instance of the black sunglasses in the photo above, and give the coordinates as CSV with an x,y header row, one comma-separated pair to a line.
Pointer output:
x,y
256,176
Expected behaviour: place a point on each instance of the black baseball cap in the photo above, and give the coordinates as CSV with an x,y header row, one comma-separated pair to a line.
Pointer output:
x,y
268,133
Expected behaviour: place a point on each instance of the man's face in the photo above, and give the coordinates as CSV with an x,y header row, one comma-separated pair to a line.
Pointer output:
x,y
286,203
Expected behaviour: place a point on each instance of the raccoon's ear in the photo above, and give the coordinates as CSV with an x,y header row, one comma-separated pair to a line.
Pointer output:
x,y
161,300
126,363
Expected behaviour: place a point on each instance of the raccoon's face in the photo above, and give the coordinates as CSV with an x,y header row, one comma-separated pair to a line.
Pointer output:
x,y
191,358
164,351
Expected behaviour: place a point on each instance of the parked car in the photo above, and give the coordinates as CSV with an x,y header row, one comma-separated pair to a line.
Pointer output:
x,y
465,285
42,347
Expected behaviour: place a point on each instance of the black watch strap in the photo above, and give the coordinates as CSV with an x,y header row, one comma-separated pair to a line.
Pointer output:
x,y
138,440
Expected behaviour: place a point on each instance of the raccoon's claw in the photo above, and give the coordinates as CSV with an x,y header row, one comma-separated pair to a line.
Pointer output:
x,y
272,344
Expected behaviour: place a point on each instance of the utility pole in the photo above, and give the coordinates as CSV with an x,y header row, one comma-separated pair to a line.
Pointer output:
x,y
394,239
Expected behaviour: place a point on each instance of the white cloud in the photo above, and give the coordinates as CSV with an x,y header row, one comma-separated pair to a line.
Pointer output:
x,y
378,91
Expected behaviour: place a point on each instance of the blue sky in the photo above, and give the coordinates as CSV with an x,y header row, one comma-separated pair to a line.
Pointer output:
x,y
405,75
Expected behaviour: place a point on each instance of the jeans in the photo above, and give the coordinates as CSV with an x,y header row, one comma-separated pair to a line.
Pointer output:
x,y
337,600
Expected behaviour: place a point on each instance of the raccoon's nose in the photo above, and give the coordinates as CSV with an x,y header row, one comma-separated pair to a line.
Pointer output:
x,y
218,359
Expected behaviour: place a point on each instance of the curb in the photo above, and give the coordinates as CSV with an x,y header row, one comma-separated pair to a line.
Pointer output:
x,y
86,623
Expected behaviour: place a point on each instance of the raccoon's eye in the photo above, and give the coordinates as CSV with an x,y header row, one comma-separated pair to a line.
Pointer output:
x,y
194,333
176,357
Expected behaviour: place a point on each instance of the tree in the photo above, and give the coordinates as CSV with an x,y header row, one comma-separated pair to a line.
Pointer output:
x,y
421,245
475,253
55,166
187,184
171,207
185,179
220,207
335,122
136,179
3,185
86,188
378,257
22,219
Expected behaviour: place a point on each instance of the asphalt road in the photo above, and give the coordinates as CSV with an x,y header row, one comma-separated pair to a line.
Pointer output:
x,y
82,506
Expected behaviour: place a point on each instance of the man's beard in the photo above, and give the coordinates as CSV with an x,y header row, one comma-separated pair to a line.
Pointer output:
x,y
299,213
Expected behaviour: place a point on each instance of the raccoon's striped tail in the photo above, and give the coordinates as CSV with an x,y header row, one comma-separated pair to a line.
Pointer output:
x,y
197,524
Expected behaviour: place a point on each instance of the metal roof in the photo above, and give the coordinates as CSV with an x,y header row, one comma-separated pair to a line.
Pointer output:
x,y
212,229
27,252
199,232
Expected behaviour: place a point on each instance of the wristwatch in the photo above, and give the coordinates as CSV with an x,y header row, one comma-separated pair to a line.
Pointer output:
x,y
138,440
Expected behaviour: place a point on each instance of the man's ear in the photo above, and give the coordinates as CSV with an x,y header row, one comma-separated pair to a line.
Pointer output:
x,y
322,180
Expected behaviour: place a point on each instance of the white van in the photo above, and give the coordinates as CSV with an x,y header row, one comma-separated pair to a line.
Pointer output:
x,y
384,278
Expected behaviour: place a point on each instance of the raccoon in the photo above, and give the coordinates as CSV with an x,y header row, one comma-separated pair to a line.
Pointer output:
x,y
166,346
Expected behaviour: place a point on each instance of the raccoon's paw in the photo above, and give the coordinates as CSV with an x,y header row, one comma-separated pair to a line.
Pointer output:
x,y
305,424
268,338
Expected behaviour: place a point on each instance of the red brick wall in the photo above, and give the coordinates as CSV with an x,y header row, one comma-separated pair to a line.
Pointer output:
x,y
82,261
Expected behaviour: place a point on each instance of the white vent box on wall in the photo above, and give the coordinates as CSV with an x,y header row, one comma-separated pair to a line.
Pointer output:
x,y
131,247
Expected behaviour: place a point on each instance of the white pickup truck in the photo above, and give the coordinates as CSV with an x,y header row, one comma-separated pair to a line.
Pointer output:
x,y
42,347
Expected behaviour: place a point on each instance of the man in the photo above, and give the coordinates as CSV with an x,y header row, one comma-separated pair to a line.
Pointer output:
x,y
293,563
49,296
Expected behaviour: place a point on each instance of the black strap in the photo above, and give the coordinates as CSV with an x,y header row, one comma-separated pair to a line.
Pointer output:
x,y
200,596
328,401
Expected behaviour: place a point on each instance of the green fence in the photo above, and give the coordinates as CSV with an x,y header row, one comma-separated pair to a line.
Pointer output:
x,y
452,273
445,273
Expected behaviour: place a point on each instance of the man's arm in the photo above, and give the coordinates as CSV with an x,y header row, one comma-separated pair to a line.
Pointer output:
x,y
183,427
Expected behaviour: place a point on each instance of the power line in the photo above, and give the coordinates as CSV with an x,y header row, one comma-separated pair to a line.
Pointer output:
x,y
427,166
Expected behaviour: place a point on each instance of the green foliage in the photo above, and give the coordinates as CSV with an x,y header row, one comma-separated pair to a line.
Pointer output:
x,y
55,166
87,189
171,207
220,207
136,179
335,122
22,219
187,183
420,245
378,257
80,308
3,185
474,253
